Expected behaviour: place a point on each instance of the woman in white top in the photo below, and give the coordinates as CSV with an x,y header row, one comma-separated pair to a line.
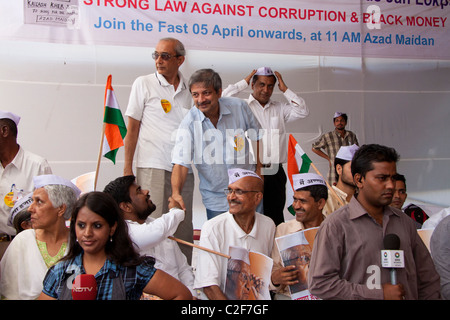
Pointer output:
x,y
32,252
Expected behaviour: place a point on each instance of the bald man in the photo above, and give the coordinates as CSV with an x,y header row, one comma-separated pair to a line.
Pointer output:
x,y
240,226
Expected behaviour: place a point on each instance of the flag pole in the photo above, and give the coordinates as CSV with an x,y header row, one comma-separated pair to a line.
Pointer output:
x,y
99,159
199,247
333,193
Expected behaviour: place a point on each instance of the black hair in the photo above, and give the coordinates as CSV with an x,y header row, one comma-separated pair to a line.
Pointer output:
x,y
120,249
208,77
317,191
400,177
364,157
119,188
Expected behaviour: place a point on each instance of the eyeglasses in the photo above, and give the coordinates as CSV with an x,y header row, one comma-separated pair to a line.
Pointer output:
x,y
237,192
165,56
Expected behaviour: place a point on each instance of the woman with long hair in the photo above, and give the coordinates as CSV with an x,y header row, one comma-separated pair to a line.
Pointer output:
x,y
99,245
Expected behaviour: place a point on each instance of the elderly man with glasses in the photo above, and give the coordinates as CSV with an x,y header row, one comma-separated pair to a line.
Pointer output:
x,y
157,104
241,226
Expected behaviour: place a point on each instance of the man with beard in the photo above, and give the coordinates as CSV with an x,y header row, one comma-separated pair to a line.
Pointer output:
x,y
309,199
150,234
331,142
345,187
346,258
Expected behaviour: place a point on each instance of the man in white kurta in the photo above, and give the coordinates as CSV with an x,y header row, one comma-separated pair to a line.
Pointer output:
x,y
17,169
272,116
226,229
167,254
150,234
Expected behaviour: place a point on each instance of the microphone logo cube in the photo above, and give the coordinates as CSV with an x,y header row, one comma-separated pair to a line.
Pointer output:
x,y
392,259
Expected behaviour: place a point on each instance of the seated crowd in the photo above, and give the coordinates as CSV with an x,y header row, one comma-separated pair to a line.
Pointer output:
x,y
110,235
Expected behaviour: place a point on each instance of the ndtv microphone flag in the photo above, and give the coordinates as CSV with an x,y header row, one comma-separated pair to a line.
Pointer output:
x,y
115,128
298,162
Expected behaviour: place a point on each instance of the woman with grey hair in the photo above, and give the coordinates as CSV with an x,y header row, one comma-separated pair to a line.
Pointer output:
x,y
32,252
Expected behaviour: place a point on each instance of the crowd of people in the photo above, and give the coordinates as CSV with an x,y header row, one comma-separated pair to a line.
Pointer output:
x,y
51,232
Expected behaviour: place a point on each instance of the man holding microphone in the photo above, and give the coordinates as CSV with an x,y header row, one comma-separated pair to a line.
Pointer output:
x,y
346,261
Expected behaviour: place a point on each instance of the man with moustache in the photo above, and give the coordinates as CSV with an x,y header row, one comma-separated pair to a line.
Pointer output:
x,y
331,142
346,258
240,226
157,104
213,137
273,116
345,187
310,196
150,234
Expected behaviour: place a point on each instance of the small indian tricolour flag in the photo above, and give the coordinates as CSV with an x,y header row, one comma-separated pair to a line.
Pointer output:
x,y
298,162
115,128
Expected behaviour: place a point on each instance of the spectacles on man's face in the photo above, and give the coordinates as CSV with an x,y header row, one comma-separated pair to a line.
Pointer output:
x,y
164,55
237,192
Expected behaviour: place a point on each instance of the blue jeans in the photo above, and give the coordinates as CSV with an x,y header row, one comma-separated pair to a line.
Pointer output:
x,y
211,213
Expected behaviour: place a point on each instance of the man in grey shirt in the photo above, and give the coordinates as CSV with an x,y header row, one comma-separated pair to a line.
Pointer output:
x,y
346,257
440,251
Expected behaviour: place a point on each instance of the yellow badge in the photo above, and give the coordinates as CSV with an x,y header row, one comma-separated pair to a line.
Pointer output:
x,y
166,105
238,143
9,199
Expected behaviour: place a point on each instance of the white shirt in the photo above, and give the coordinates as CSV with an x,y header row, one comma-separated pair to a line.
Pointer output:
x,y
221,232
19,172
151,240
155,142
22,268
273,116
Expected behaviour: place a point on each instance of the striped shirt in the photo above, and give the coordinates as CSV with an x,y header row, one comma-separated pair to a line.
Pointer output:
x,y
331,143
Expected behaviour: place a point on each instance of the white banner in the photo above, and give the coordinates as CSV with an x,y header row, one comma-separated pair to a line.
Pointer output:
x,y
370,28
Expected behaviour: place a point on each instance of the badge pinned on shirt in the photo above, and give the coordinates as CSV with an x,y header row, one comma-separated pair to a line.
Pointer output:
x,y
238,143
165,104
11,197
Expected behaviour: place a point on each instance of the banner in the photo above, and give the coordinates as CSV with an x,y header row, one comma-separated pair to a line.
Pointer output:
x,y
355,28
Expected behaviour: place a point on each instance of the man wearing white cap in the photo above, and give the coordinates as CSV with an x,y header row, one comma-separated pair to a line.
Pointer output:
x,y
17,169
272,115
20,216
309,199
331,142
345,186
32,252
241,226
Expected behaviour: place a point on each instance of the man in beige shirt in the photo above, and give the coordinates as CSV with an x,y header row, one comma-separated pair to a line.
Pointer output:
x,y
345,187
346,257
309,198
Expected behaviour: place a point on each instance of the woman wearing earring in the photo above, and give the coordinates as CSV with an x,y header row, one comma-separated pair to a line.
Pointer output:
x,y
100,246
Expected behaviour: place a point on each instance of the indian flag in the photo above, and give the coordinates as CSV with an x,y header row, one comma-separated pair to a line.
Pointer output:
x,y
115,128
298,162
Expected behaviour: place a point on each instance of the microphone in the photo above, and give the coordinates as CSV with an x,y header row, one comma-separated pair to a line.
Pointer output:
x,y
84,287
392,257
